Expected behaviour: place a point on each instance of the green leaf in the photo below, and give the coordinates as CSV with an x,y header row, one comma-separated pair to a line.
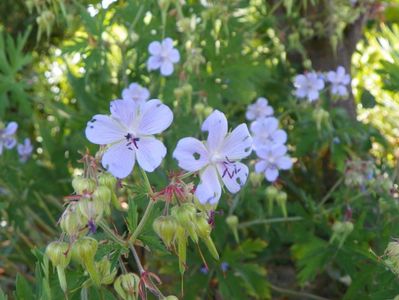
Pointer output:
x,y
23,289
3,296
132,215
367,99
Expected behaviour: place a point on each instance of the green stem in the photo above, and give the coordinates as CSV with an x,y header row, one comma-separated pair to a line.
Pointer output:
x,y
295,293
269,221
328,195
147,211
112,234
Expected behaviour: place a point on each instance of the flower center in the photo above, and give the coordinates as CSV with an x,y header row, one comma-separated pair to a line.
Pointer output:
x,y
131,141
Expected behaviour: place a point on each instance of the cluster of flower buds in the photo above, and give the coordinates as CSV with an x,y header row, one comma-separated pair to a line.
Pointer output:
x,y
280,197
94,199
341,231
391,255
183,223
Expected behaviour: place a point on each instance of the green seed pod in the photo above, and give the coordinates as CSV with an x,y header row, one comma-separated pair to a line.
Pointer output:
x,y
211,247
199,108
91,210
127,286
203,227
185,215
104,269
71,221
207,111
171,297
83,185
187,89
59,254
106,179
281,199
232,222
165,227
102,194
271,192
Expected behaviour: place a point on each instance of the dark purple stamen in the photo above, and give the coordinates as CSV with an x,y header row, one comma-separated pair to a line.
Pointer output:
x,y
92,226
131,140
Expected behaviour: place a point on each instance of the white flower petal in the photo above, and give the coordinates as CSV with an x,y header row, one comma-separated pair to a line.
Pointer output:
x,y
10,142
234,175
155,117
260,166
167,44
150,153
191,154
284,162
216,126
124,111
11,128
271,174
238,144
279,136
166,68
155,48
103,130
119,160
174,56
154,63
209,190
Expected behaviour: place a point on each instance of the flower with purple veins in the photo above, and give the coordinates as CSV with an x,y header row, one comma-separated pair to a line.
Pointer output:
x,y
25,150
308,86
163,56
272,159
259,109
7,136
265,133
136,92
339,80
217,159
128,132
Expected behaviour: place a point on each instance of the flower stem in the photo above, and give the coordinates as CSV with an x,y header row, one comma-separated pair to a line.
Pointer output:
x,y
147,211
112,234
269,221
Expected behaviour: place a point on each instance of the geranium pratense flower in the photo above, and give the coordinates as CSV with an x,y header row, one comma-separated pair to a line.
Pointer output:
x,y
163,56
25,150
7,136
339,80
272,159
265,132
136,92
259,109
128,132
217,158
308,85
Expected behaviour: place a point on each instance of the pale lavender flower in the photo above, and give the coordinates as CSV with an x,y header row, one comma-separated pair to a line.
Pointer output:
x,y
272,159
224,266
128,132
163,56
265,132
308,86
25,150
136,92
217,159
339,80
7,136
259,109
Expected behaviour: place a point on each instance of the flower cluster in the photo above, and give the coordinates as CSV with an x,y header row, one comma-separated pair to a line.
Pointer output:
x,y
268,140
310,84
8,141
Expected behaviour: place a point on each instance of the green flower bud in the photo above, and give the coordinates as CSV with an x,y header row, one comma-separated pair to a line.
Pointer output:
x,y
271,192
199,108
83,185
106,179
178,92
59,254
181,248
127,286
71,221
84,251
187,89
281,200
104,269
165,227
91,210
171,297
232,222
207,111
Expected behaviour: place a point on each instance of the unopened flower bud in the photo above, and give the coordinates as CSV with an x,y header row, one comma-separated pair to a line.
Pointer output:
x,y
58,253
71,221
207,111
187,89
171,297
199,108
84,251
165,227
104,269
271,192
178,92
232,222
83,185
281,200
127,286
106,179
